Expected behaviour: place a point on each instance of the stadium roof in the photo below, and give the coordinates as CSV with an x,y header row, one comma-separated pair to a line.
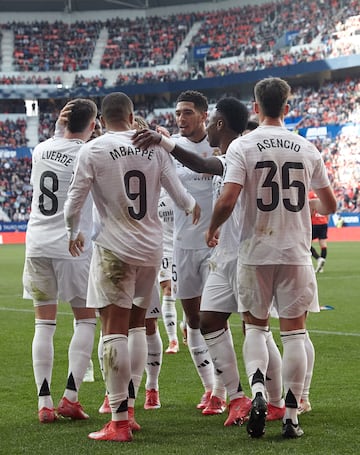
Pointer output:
x,y
86,5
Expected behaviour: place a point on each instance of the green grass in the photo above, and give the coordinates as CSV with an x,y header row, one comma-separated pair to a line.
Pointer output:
x,y
178,428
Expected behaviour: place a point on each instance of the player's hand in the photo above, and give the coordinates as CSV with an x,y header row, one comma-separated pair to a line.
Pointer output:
x,y
212,238
145,138
65,112
196,214
76,247
313,203
162,130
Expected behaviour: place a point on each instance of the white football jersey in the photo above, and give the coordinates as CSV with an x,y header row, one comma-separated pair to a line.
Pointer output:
x,y
186,235
52,167
166,215
276,168
125,182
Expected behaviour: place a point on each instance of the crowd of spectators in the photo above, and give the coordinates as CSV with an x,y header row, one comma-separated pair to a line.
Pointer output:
x,y
342,160
247,32
92,82
13,133
144,42
45,46
15,189
335,102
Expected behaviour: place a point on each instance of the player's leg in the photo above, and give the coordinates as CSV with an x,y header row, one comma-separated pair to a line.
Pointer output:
x,y
40,284
138,356
105,407
115,323
43,359
254,300
198,349
295,288
305,405
323,249
190,272
72,277
79,355
153,364
146,303
114,301
292,334
168,307
218,302
274,388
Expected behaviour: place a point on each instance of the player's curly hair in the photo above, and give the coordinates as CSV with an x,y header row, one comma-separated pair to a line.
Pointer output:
x,y
192,96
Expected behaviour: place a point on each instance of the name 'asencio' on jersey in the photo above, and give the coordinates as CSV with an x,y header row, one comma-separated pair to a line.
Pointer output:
x,y
56,156
128,150
278,142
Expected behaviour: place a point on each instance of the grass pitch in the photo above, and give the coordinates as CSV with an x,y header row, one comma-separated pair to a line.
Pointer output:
x,y
178,427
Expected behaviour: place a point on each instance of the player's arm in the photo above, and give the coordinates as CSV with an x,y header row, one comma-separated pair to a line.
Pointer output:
x,y
222,210
63,119
77,194
210,165
326,202
182,198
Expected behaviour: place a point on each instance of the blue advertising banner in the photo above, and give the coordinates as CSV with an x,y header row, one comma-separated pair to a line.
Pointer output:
x,y
201,51
20,152
13,226
346,219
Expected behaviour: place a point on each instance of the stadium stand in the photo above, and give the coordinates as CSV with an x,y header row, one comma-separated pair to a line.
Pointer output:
x,y
153,55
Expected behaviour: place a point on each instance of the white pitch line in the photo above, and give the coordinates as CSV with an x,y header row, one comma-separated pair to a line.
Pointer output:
x,y
31,310
320,332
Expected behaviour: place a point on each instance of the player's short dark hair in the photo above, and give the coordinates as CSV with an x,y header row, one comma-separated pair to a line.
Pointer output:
x,y
82,112
235,113
192,96
272,94
252,125
116,107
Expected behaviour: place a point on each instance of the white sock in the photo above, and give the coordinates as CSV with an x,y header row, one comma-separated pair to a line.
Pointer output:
x,y
170,317
200,354
310,355
117,374
43,359
256,357
138,357
100,351
222,353
79,353
154,360
294,370
274,374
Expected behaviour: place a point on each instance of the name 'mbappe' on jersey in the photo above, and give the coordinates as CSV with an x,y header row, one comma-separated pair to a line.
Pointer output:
x,y
123,151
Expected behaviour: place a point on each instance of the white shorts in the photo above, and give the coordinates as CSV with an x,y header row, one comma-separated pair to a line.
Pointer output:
x,y
165,269
292,289
154,309
114,282
49,280
220,290
190,271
